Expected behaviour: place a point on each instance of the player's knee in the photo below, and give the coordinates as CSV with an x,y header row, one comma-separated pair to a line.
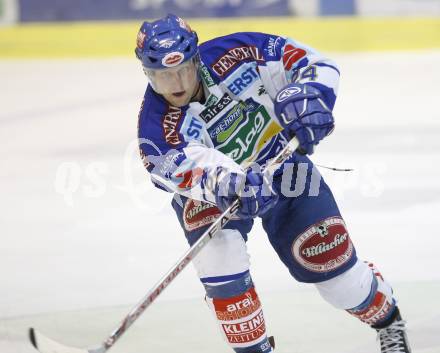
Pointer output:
x,y
224,255
350,288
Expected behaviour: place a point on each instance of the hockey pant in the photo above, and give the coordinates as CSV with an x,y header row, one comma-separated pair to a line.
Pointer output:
x,y
309,235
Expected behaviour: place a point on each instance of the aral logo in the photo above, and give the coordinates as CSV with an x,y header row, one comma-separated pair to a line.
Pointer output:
x,y
172,59
245,303
242,306
323,247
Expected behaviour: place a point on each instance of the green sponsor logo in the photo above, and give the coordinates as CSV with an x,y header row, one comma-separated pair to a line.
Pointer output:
x,y
227,126
223,136
206,77
212,99
243,143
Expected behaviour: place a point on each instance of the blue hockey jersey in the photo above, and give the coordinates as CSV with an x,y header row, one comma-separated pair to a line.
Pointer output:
x,y
236,125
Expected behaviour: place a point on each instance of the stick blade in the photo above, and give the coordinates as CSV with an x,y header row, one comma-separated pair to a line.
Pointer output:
x,y
47,345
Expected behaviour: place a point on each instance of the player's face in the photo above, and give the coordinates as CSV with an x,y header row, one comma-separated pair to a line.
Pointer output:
x,y
176,84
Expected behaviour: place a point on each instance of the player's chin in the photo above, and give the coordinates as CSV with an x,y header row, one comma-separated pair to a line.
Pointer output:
x,y
178,99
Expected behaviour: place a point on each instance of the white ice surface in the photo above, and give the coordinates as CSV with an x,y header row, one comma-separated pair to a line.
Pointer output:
x,y
83,234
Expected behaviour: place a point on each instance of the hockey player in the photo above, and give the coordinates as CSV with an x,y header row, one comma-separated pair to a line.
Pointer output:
x,y
211,115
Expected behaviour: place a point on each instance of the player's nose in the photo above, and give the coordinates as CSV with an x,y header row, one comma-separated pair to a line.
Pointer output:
x,y
176,82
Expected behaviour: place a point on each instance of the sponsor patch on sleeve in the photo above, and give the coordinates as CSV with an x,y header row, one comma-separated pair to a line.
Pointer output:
x,y
242,78
292,55
192,129
234,56
273,46
170,124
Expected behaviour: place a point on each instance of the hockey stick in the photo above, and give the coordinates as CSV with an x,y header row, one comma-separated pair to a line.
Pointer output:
x,y
47,345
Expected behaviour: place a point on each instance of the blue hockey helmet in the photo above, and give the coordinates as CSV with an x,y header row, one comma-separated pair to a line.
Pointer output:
x,y
165,43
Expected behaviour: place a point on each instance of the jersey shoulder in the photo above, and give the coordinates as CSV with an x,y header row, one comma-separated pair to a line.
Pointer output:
x,y
222,55
159,124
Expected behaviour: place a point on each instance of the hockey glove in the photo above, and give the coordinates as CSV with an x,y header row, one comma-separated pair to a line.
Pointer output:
x,y
302,111
255,193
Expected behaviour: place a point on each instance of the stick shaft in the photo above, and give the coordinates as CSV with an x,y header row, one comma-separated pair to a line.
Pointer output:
x,y
190,254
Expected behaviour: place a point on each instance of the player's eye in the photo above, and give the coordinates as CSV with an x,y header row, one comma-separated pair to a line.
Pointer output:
x,y
184,70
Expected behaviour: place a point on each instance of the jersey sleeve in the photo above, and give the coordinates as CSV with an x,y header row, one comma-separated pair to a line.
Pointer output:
x,y
286,60
281,60
173,151
303,64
